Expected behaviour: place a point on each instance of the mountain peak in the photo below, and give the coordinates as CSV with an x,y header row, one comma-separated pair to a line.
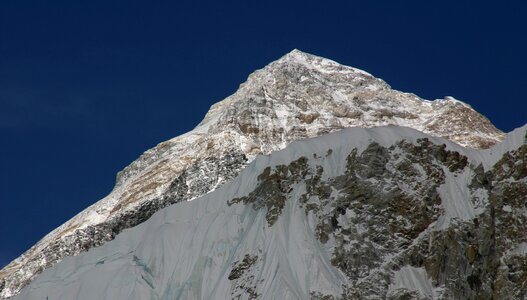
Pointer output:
x,y
314,62
296,97
298,55
295,52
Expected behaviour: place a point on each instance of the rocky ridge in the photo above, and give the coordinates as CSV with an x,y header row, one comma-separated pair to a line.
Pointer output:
x,y
298,96
382,213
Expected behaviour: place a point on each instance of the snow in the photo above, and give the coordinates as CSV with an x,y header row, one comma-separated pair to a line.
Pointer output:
x,y
187,250
454,100
322,65
521,249
455,198
412,279
339,97
513,140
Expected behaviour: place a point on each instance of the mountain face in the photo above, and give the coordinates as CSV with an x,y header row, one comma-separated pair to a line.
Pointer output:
x,y
382,213
296,97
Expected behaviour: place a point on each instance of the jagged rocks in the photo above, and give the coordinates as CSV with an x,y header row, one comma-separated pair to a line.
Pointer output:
x,y
273,186
244,282
385,199
240,267
384,205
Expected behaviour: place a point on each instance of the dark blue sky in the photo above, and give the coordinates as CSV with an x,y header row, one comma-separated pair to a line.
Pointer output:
x,y
87,86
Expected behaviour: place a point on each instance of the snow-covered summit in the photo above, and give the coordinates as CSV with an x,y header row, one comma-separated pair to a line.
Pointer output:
x,y
298,96
318,63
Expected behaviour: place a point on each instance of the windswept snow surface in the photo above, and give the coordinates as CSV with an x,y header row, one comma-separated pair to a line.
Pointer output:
x,y
412,279
186,252
190,249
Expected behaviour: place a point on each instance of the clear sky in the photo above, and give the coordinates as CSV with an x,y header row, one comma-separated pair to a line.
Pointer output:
x,y
87,86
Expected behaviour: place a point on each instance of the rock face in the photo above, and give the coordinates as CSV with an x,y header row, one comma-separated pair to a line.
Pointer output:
x,y
298,96
382,213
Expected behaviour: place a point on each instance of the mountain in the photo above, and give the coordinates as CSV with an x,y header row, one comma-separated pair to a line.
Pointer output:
x,y
296,97
382,213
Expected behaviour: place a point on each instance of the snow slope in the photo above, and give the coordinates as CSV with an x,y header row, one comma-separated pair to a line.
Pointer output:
x,y
220,247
